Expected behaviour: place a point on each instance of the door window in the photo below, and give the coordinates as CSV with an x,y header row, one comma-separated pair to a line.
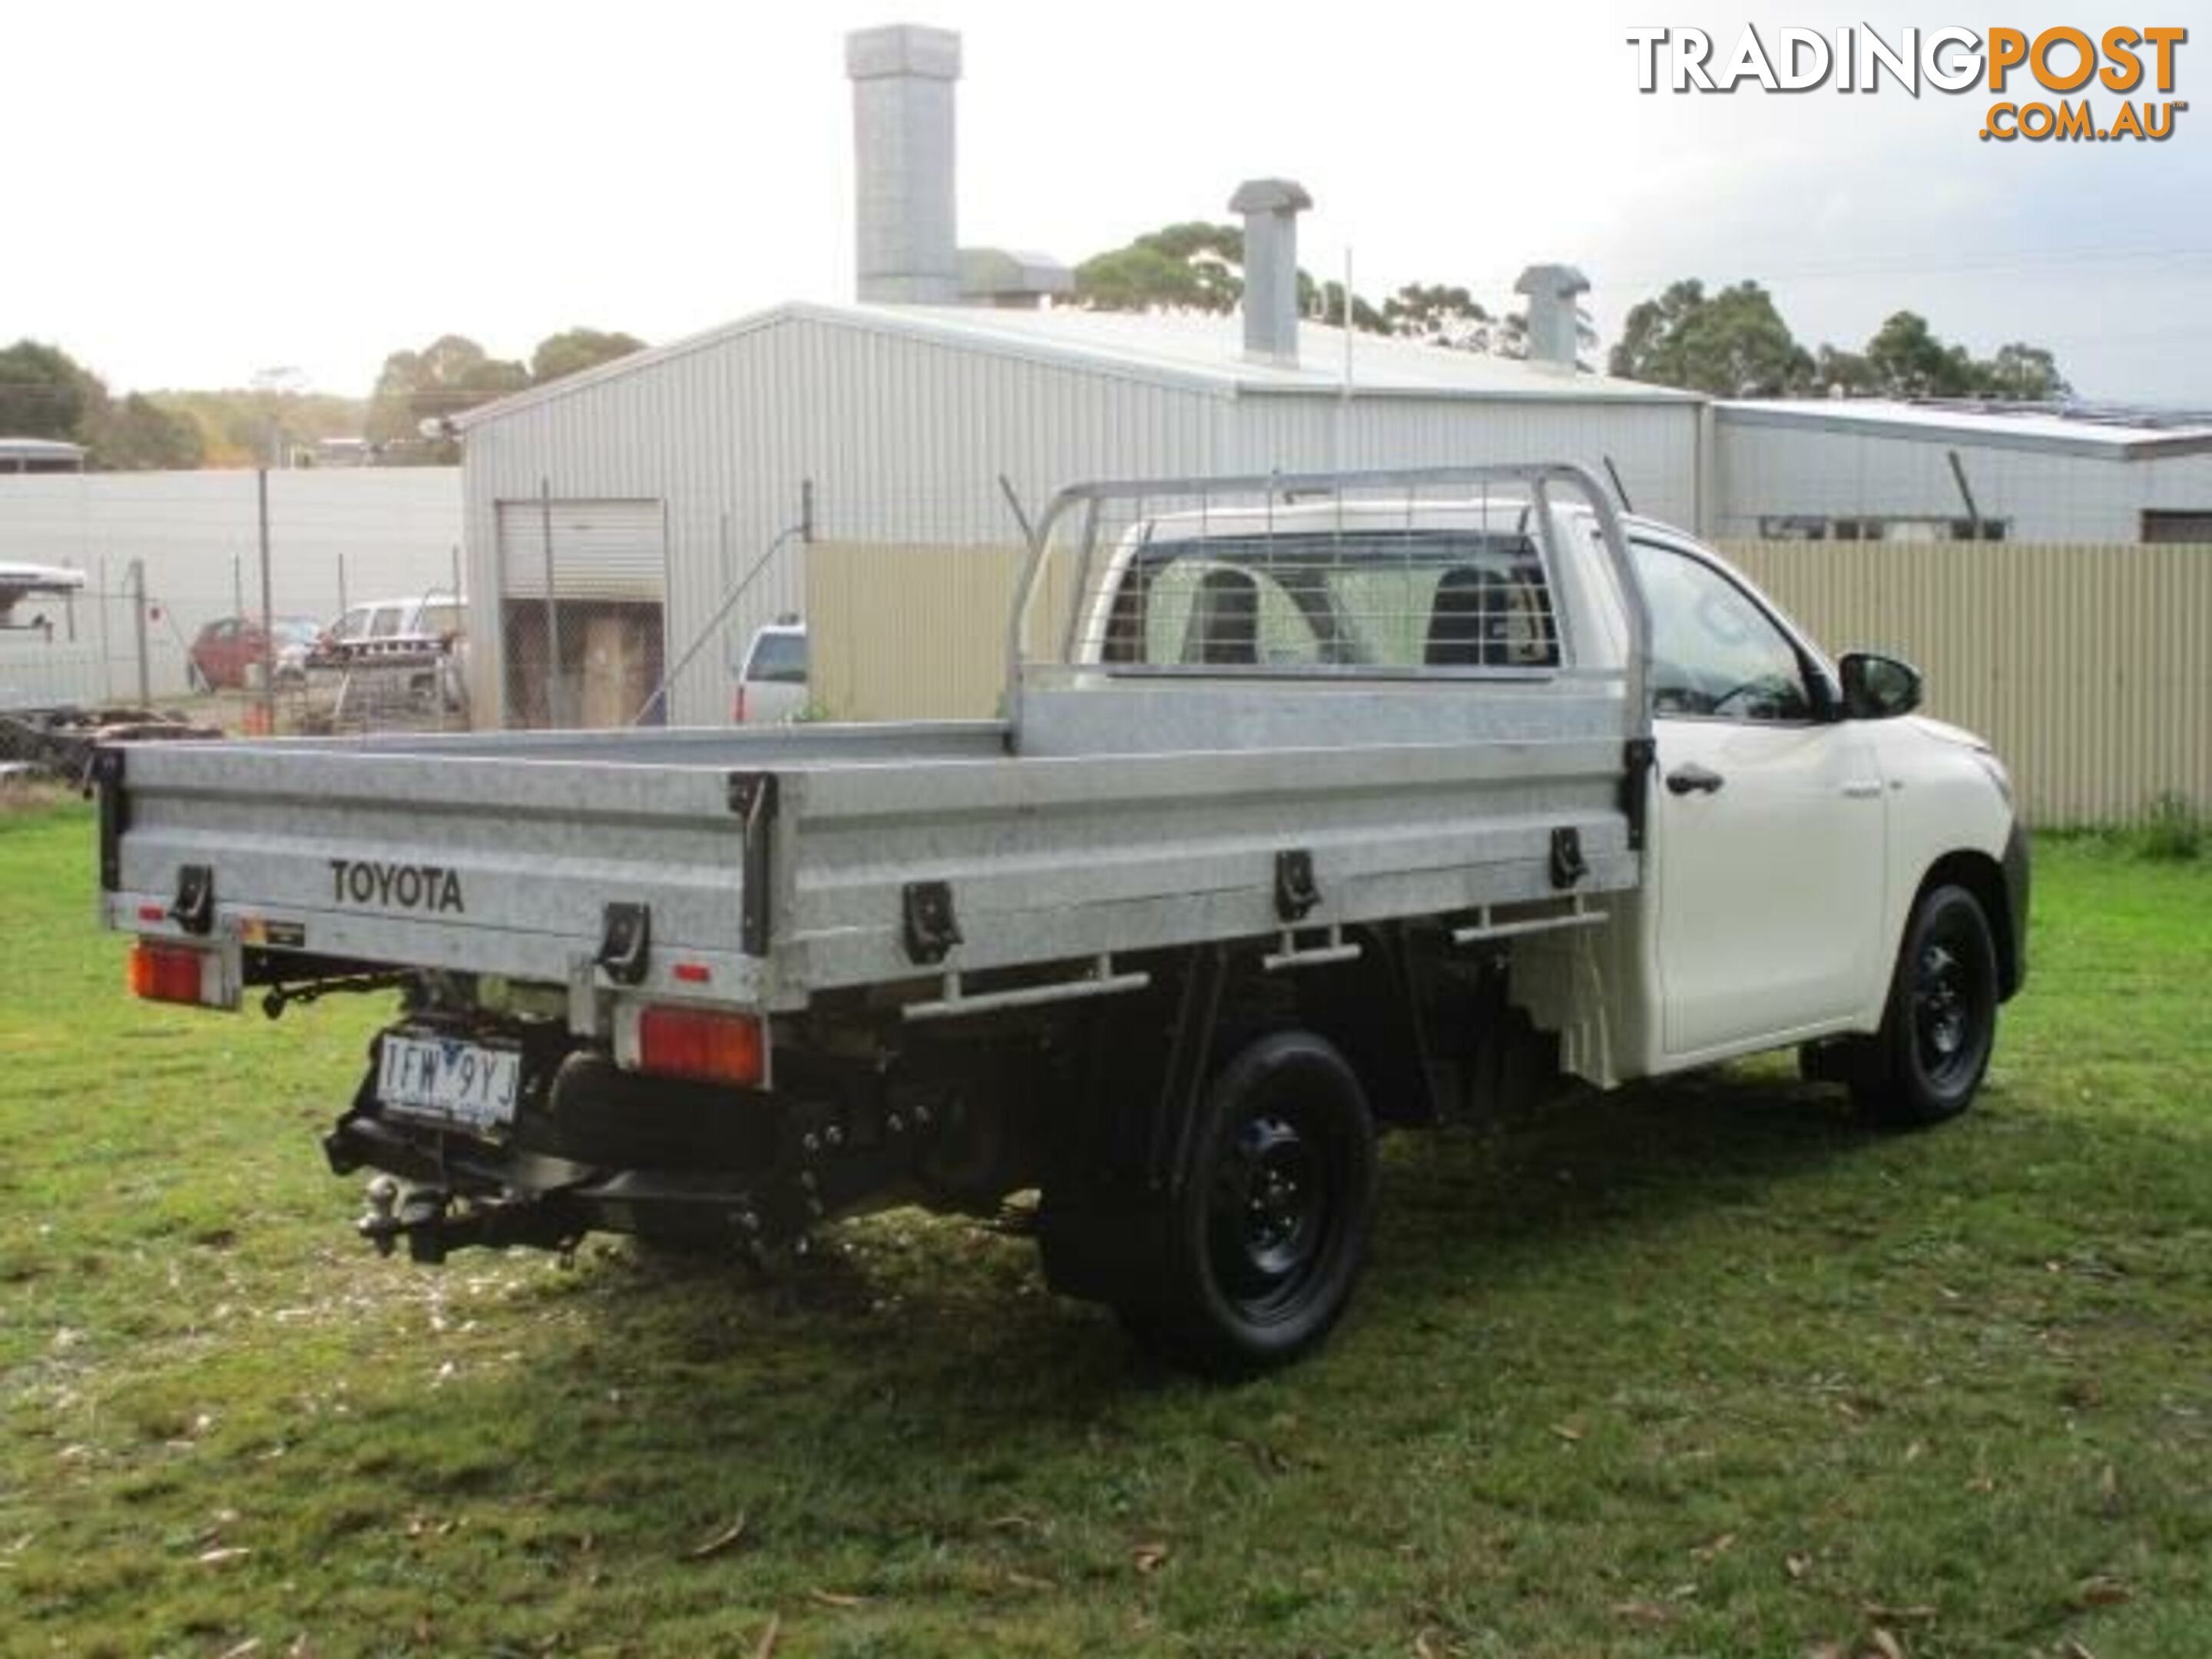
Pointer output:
x,y
1714,655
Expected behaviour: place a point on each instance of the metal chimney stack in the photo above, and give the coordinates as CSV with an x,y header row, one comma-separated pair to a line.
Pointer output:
x,y
1271,209
902,78
1552,323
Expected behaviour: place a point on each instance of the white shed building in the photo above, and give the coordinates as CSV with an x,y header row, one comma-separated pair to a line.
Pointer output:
x,y
1880,470
666,477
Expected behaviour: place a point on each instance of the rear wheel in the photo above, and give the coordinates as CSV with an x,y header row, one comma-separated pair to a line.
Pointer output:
x,y
1928,1059
1261,1245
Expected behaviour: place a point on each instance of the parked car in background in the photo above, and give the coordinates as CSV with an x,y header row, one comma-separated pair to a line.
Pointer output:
x,y
426,633
225,655
390,624
772,676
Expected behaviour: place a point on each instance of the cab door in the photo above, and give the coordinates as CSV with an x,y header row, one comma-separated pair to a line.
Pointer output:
x,y
1770,834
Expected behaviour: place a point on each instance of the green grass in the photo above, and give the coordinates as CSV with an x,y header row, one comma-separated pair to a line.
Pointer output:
x,y
1699,1369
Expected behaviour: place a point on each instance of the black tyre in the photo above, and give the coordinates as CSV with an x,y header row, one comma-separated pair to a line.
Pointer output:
x,y
1929,1058
1261,1248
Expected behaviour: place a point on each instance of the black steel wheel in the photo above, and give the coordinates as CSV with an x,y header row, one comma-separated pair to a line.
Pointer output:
x,y
1934,1047
1264,1239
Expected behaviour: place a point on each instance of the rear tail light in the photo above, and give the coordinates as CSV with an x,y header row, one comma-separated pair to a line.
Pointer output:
x,y
705,1045
176,973
737,705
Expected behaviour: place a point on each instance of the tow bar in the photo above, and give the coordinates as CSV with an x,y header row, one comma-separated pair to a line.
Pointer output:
x,y
426,1219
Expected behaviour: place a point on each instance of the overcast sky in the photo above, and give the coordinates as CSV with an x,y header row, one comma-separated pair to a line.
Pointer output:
x,y
198,193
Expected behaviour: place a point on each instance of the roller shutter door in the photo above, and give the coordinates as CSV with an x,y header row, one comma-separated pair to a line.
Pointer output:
x,y
602,549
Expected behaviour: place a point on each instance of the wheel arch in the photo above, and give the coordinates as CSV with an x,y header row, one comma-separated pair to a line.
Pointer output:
x,y
1987,880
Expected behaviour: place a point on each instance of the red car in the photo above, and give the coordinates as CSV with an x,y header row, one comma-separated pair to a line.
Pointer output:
x,y
224,652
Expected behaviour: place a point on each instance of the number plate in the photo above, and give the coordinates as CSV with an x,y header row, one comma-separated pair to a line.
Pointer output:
x,y
445,1078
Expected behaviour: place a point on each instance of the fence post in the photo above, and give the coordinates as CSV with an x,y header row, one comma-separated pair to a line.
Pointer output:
x,y
268,638
139,630
552,609
106,644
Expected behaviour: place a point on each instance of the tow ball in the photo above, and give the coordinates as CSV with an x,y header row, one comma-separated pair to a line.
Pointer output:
x,y
420,1219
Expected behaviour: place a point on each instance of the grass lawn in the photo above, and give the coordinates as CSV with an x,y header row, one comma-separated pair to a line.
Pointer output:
x,y
1699,1369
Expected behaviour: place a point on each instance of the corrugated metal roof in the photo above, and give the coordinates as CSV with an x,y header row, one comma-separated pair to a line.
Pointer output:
x,y
2106,432
1185,349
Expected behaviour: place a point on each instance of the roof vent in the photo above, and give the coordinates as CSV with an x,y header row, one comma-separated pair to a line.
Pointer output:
x,y
1554,323
1271,209
902,78
1012,279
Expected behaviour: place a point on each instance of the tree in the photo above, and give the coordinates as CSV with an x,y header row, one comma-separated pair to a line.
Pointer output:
x,y
1436,315
576,350
2024,372
45,393
234,424
138,435
1735,345
1196,266
1908,361
450,374
1193,266
1325,302
1732,344
1849,374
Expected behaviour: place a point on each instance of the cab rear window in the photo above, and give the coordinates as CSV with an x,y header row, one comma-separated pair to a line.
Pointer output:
x,y
1389,601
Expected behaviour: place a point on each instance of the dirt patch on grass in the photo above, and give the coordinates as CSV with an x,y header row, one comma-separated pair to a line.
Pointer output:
x,y
21,793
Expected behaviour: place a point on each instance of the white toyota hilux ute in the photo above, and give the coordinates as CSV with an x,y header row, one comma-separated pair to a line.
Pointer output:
x,y
1320,806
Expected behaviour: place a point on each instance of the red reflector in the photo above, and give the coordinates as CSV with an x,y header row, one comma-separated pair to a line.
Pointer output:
x,y
711,1047
167,973
692,973
152,912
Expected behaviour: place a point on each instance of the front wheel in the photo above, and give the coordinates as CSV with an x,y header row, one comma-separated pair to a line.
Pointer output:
x,y
1927,1060
1266,1238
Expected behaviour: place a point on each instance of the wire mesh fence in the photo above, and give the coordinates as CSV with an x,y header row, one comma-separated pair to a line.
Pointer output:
x,y
171,611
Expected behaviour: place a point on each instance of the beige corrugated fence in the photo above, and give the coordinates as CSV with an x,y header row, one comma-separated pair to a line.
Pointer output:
x,y
909,632
2090,668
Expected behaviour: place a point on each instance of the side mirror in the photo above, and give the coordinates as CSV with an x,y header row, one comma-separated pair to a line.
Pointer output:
x,y
1878,688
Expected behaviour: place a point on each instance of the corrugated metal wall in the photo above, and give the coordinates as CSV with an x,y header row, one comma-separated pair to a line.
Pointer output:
x,y
909,633
2088,667
906,437
1776,471
1653,446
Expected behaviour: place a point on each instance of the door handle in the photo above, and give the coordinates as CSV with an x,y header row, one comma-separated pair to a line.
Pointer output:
x,y
1693,779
